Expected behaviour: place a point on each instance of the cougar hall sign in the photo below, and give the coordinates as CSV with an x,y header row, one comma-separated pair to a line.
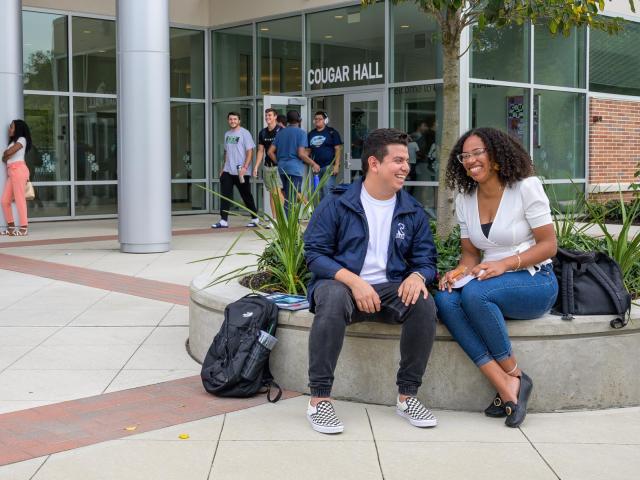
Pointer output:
x,y
344,73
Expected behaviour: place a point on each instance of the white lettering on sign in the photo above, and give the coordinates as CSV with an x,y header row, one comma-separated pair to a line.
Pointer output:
x,y
344,73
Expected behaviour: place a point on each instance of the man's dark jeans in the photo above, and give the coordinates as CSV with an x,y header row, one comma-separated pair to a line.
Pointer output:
x,y
335,309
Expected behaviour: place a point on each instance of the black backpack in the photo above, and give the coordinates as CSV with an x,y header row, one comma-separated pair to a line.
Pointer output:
x,y
590,284
237,365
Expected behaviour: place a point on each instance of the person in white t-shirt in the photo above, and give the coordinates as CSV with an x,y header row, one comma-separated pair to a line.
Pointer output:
x,y
17,178
507,239
236,171
370,250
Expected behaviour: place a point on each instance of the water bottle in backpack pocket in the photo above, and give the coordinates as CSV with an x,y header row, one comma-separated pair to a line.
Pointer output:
x,y
237,364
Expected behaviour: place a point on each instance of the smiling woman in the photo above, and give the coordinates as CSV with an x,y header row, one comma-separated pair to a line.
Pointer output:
x,y
507,252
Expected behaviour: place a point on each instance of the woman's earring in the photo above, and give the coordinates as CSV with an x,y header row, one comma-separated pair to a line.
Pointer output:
x,y
496,167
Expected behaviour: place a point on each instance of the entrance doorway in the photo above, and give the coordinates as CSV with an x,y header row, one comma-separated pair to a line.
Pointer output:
x,y
353,115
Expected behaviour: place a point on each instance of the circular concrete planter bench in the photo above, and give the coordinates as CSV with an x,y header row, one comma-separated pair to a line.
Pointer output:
x,y
579,364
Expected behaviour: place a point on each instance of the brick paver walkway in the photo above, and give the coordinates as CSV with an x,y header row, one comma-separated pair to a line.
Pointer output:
x,y
63,426
40,431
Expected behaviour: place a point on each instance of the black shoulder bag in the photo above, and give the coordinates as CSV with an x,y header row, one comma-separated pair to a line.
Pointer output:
x,y
590,284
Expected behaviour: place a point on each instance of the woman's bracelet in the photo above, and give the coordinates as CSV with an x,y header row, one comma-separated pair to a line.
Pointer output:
x,y
519,262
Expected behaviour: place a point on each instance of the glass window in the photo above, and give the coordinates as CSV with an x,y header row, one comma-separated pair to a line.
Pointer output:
x,y
559,60
232,58
45,53
614,61
187,196
187,140
416,110
187,63
95,122
416,47
505,108
280,56
501,53
345,47
427,196
94,55
48,119
558,134
221,125
563,196
50,201
96,199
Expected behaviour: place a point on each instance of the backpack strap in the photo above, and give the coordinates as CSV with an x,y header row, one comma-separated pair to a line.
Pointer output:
x,y
606,283
278,395
567,291
269,382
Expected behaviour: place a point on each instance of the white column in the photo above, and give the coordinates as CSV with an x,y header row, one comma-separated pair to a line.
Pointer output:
x,y
11,103
144,156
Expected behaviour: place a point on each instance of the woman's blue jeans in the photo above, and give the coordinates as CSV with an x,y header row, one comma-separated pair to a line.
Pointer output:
x,y
475,314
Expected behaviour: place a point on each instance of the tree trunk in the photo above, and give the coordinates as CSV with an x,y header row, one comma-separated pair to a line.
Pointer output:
x,y
450,125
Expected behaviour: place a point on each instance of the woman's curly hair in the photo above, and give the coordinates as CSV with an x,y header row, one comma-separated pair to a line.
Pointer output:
x,y
503,150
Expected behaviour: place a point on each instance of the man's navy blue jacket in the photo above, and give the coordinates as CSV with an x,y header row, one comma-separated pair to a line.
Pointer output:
x,y
338,234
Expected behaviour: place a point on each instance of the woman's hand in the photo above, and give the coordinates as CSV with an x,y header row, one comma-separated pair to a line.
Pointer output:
x,y
486,270
449,278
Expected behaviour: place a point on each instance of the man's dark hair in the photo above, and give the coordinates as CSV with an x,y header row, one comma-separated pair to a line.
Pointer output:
x,y
281,119
233,113
293,116
376,144
322,113
503,149
271,110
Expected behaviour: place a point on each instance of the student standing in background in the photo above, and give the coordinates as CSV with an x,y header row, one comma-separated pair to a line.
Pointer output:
x,y
325,146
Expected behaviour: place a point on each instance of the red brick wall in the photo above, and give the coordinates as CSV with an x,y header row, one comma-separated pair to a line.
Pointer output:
x,y
614,142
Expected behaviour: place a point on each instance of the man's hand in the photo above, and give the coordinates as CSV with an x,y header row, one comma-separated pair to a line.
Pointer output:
x,y
315,167
367,300
411,289
242,172
336,170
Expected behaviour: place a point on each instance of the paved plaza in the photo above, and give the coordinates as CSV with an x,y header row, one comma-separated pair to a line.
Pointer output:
x,y
96,383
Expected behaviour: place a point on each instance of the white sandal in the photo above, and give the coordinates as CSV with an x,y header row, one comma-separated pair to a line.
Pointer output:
x,y
20,232
8,231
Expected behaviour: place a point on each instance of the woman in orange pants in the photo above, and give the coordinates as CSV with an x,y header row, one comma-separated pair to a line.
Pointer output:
x,y
17,178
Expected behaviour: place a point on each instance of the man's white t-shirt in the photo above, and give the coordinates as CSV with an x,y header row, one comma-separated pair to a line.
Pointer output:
x,y
379,215
19,155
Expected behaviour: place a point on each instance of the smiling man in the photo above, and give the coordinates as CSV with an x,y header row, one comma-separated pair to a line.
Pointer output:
x,y
372,256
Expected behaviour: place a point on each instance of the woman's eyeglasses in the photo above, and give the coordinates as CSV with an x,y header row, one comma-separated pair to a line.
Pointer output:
x,y
464,156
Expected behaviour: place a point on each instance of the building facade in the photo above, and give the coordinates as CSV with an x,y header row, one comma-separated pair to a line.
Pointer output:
x,y
574,102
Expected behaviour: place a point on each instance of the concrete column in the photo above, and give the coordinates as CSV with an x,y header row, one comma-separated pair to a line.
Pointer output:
x,y
11,103
144,141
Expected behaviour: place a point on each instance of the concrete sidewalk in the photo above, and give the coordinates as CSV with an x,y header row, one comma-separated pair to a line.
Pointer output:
x,y
62,340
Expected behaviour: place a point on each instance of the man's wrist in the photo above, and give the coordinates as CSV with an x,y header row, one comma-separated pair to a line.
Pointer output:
x,y
420,276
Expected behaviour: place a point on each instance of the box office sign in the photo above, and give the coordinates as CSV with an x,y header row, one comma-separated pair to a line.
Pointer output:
x,y
345,74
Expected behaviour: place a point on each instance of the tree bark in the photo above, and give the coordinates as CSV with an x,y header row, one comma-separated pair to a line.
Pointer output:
x,y
451,122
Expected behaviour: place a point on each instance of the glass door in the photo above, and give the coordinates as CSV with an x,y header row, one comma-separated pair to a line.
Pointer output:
x,y
283,105
363,114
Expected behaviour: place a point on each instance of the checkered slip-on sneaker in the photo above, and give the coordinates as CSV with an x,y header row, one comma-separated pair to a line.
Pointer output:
x,y
323,418
417,414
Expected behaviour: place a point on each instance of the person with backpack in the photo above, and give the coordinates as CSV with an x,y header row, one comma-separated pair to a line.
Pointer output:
x,y
289,152
508,240
325,146
370,250
17,178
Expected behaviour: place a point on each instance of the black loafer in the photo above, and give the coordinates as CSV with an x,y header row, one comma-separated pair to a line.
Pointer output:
x,y
517,412
496,409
